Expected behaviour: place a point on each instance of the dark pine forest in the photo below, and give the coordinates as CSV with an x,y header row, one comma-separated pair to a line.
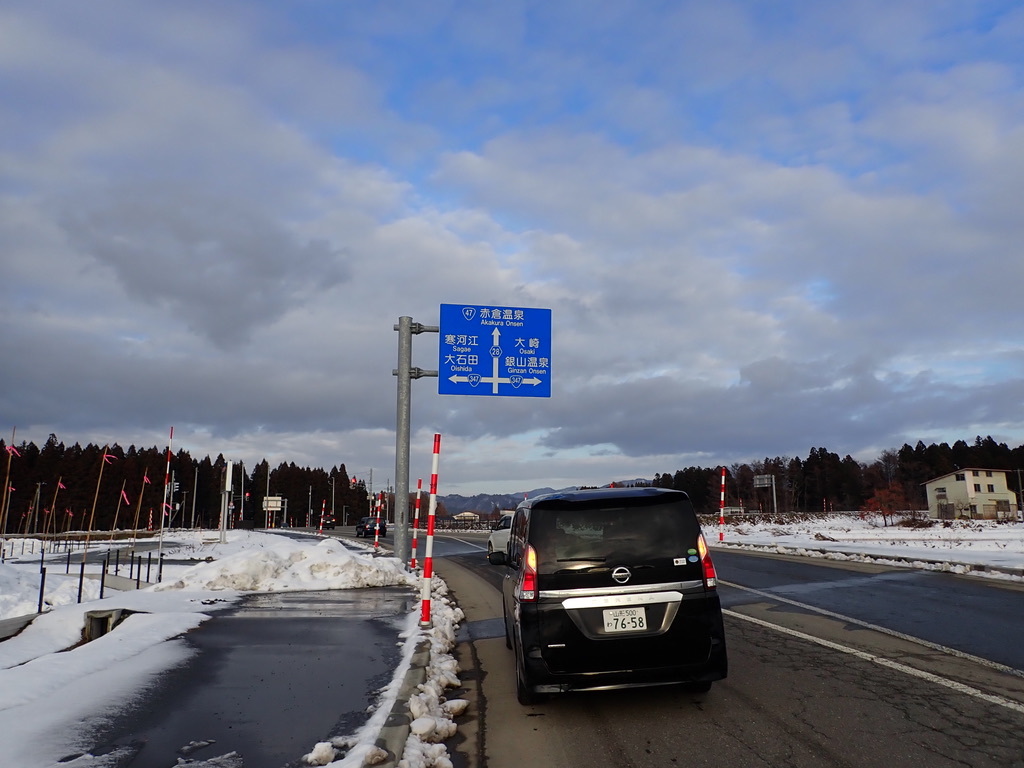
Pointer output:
x,y
53,488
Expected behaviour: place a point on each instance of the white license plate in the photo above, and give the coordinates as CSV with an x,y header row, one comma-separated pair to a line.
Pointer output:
x,y
625,619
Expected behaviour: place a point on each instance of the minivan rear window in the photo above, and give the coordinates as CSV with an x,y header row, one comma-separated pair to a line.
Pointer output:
x,y
648,533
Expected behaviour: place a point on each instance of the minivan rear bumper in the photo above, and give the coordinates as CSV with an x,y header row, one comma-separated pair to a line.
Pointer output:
x,y
543,680
558,656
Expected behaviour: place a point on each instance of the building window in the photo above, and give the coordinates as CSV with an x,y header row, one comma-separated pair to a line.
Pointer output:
x,y
991,489
988,473
976,473
977,487
940,490
961,476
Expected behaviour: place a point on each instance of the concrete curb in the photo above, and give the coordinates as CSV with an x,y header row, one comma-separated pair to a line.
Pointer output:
x,y
396,729
909,560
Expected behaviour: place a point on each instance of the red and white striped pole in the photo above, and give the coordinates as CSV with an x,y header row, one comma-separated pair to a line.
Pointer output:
x,y
376,528
323,511
721,510
415,524
428,555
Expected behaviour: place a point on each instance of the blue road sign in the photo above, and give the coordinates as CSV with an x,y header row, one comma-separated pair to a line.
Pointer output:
x,y
487,350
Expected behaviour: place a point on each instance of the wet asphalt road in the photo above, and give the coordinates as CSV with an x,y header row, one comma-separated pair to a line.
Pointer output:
x,y
980,617
268,680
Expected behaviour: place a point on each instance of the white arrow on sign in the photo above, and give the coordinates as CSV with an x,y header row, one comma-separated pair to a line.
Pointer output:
x,y
494,379
477,378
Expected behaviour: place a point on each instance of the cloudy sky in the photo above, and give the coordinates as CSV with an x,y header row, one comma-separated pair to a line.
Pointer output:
x,y
759,227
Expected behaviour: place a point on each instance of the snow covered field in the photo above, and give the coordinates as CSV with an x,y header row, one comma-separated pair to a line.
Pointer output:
x,y
961,546
41,686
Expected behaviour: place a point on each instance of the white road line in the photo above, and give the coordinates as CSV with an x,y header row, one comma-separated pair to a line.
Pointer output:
x,y
463,541
951,684
885,630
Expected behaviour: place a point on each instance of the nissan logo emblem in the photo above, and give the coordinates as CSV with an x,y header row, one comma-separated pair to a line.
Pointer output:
x,y
621,574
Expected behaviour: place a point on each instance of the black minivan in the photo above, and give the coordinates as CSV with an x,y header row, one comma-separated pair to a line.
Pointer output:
x,y
610,588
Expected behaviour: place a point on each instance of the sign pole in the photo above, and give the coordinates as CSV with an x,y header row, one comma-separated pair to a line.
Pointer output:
x,y
224,503
405,373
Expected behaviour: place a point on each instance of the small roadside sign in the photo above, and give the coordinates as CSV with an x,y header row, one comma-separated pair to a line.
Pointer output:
x,y
495,351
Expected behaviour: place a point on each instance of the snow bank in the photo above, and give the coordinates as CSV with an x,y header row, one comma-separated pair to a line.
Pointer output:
x,y
284,565
19,590
433,714
960,546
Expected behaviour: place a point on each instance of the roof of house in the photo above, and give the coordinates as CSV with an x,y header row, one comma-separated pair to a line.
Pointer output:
x,y
963,470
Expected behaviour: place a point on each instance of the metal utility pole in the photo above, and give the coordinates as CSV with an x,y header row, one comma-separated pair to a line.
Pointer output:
x,y
332,500
224,504
195,492
405,373
1020,498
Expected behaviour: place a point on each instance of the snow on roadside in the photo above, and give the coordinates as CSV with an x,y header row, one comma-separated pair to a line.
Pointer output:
x,y
954,546
19,590
431,712
286,565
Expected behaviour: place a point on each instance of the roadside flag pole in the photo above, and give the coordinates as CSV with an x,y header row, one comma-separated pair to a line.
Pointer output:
x,y
138,508
117,512
5,499
721,510
428,555
53,507
92,515
416,524
167,488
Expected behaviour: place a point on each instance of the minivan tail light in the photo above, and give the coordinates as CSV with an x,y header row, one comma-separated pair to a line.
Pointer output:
x,y
528,580
710,576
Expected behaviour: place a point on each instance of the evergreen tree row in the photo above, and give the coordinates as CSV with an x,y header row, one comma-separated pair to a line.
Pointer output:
x,y
826,482
58,488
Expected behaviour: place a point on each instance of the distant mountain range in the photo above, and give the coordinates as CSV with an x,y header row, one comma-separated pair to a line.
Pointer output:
x,y
484,503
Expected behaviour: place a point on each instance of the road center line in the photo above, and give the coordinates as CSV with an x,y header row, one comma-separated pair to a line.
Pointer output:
x,y
895,665
885,630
